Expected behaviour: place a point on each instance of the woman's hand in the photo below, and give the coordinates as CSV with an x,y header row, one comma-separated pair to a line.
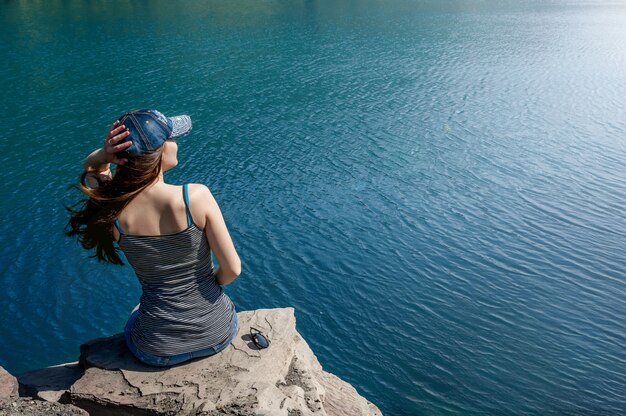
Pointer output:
x,y
98,161
117,133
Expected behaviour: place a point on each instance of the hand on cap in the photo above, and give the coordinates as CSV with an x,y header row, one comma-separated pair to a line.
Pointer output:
x,y
117,133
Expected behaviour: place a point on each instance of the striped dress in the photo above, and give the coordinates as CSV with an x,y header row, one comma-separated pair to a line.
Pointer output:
x,y
182,308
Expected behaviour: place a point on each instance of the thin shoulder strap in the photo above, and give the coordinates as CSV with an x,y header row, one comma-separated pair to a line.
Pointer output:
x,y
117,225
186,198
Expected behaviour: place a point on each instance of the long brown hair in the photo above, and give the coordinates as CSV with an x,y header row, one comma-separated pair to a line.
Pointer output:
x,y
91,218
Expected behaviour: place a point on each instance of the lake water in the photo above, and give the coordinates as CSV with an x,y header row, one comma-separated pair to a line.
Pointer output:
x,y
438,188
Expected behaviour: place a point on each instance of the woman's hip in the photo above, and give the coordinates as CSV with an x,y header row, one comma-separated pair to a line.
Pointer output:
x,y
165,360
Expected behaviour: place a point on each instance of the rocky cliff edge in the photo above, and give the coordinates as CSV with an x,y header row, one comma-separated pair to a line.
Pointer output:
x,y
284,379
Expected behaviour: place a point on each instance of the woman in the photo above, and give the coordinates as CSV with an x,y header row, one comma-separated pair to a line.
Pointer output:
x,y
166,232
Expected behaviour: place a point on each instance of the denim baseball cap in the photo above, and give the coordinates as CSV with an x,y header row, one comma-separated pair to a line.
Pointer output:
x,y
149,129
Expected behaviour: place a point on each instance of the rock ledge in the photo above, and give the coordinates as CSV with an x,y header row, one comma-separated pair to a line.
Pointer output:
x,y
284,379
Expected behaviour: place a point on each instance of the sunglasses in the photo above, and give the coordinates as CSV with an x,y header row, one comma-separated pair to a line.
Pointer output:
x,y
259,339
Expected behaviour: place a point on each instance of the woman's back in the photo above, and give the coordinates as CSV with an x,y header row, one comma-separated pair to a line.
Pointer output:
x,y
182,306
157,210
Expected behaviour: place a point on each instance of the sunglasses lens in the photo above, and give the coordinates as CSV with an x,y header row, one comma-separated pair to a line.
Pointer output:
x,y
261,341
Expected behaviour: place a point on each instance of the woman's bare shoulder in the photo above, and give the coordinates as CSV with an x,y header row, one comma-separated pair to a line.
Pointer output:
x,y
197,187
202,202
198,192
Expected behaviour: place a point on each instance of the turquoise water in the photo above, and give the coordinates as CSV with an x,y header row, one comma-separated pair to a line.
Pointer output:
x,y
438,188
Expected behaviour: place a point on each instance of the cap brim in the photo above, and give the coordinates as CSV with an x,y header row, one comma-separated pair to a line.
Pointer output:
x,y
181,125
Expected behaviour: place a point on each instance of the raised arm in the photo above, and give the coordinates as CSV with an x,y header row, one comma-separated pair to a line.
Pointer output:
x,y
97,164
203,203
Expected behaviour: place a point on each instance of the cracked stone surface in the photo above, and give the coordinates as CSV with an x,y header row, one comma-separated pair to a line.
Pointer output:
x,y
284,379
9,387
51,383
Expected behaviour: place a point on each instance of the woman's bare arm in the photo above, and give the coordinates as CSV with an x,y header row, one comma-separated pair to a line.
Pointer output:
x,y
98,163
97,168
216,233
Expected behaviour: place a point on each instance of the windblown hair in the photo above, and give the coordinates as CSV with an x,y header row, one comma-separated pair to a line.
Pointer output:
x,y
91,218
